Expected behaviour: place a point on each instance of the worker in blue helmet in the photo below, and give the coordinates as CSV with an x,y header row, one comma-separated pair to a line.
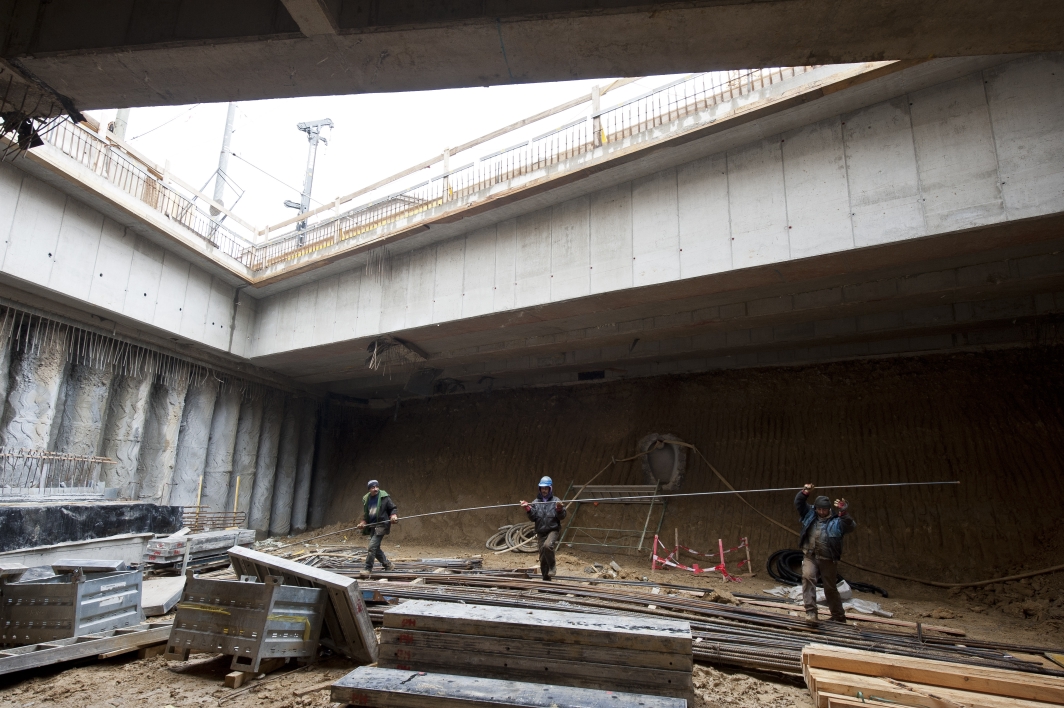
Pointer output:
x,y
546,512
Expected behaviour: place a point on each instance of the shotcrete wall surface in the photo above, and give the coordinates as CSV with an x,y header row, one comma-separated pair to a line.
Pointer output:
x,y
29,525
192,442
158,450
124,430
242,483
308,424
266,464
994,421
85,410
219,464
287,462
36,377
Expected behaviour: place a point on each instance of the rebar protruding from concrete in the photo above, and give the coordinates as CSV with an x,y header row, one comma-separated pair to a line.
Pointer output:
x,y
287,460
308,424
85,409
218,468
158,448
36,375
266,463
192,442
248,432
124,431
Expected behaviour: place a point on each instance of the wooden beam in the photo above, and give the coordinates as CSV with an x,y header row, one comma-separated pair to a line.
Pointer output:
x,y
313,18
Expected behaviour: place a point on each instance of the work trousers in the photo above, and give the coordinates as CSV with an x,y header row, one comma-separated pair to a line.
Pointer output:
x,y
828,571
547,543
376,552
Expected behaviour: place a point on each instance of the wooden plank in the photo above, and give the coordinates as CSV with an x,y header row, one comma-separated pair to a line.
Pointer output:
x,y
1000,682
566,673
643,633
385,688
824,612
912,694
348,628
405,638
30,657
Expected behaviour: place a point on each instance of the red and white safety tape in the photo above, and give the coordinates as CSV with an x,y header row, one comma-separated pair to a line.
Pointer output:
x,y
671,560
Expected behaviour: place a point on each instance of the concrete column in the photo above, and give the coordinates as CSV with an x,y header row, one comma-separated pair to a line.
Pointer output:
x,y
192,441
219,466
124,431
36,377
324,463
248,432
266,464
158,448
81,427
287,460
308,425
5,360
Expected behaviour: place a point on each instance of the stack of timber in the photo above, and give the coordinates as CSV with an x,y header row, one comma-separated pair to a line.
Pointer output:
x,y
841,678
637,655
204,550
389,688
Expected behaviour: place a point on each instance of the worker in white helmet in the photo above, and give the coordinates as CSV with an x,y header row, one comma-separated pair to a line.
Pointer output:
x,y
546,512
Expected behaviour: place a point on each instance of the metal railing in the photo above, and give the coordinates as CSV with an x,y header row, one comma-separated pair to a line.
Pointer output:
x,y
41,469
138,180
638,115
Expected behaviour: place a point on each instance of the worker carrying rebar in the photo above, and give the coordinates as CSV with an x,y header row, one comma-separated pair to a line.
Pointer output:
x,y
821,543
378,514
546,512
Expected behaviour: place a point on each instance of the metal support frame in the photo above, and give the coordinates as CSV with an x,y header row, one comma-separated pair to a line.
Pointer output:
x,y
613,494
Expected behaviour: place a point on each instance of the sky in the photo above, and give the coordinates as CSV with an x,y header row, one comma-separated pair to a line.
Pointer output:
x,y
375,136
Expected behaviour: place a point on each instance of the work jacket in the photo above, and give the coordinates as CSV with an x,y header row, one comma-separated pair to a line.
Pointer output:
x,y
545,514
836,527
385,508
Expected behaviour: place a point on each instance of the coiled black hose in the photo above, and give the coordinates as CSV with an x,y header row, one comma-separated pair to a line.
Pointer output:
x,y
785,566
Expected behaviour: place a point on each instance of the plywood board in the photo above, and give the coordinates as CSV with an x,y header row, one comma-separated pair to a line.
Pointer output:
x,y
386,688
643,633
159,595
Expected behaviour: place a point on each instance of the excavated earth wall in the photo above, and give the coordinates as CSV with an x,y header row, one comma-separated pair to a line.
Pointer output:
x,y
994,421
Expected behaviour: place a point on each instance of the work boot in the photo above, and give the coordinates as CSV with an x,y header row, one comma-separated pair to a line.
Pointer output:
x,y
389,567
840,620
546,575
812,618
368,569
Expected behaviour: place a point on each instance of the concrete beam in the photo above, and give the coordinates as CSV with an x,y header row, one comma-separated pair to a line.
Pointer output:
x,y
128,56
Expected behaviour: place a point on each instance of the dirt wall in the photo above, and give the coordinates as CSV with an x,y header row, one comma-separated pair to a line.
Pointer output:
x,y
994,421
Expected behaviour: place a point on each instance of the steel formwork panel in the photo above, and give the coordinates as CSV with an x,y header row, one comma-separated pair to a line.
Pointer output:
x,y
248,620
69,605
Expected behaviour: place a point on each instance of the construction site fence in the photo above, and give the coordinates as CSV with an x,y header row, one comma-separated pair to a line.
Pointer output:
x,y
640,114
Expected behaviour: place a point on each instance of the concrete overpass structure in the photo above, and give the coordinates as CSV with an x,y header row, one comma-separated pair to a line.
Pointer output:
x,y
118,53
829,213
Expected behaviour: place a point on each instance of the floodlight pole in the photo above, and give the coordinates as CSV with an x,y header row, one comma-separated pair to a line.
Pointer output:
x,y
313,131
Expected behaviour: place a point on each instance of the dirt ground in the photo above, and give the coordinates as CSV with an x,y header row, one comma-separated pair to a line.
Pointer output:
x,y
199,682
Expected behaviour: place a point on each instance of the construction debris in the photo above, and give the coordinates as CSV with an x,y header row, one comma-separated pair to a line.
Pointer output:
x,y
203,550
640,655
368,686
839,677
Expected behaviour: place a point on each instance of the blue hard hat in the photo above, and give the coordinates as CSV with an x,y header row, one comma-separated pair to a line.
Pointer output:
x,y
546,482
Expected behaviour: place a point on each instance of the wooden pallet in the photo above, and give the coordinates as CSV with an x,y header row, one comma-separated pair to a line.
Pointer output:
x,y
388,688
638,655
836,675
102,645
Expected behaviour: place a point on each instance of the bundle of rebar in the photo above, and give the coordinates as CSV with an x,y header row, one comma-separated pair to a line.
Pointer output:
x,y
723,634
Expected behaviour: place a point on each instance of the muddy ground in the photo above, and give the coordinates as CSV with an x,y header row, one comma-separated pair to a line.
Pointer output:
x,y
199,682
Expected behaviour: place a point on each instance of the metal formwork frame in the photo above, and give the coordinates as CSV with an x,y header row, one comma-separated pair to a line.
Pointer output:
x,y
600,537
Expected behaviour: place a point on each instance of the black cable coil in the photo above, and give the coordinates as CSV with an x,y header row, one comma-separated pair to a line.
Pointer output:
x,y
785,566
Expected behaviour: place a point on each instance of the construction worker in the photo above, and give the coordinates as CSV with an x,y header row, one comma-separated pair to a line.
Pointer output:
x,y
821,543
378,514
547,513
